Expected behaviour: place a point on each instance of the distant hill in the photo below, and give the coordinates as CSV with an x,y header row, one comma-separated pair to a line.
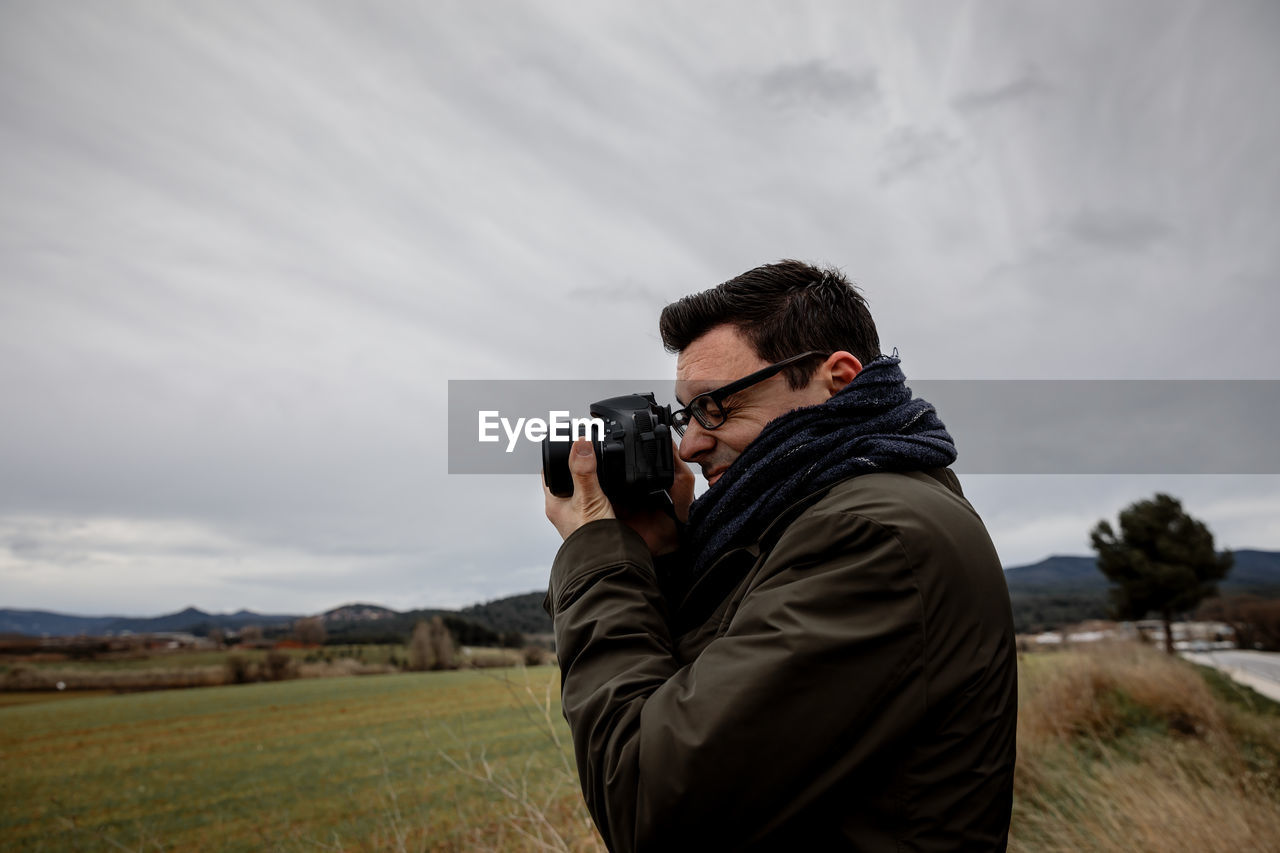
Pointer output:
x,y
521,613
197,621
39,623
492,623
1056,573
1064,589
371,624
1255,571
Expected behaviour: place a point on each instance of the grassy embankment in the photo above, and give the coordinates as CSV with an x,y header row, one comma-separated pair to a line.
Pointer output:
x,y
1123,749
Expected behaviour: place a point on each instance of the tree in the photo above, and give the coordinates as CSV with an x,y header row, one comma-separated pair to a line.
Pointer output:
x,y
431,646
441,645
1255,621
250,636
420,654
309,631
1162,560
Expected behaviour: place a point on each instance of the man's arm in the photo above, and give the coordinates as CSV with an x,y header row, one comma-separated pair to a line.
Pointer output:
x,y
819,668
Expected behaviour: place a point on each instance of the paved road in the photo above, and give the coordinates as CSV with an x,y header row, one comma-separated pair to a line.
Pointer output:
x,y
1260,670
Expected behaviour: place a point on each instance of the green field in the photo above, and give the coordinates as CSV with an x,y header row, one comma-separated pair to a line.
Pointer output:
x,y
339,763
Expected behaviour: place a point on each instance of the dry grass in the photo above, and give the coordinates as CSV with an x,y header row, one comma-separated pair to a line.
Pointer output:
x,y
488,658
539,807
1126,748
30,679
91,678
1111,689
342,668
1183,798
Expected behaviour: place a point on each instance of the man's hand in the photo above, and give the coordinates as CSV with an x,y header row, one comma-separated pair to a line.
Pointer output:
x,y
656,527
587,503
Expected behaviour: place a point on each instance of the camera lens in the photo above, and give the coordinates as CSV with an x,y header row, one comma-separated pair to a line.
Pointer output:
x,y
555,467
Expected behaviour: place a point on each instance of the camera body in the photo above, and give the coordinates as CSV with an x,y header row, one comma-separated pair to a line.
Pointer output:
x,y
634,459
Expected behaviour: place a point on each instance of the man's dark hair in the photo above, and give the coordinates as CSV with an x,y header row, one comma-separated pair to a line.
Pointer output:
x,y
783,309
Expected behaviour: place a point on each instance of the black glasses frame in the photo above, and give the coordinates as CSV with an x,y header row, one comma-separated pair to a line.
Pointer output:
x,y
696,409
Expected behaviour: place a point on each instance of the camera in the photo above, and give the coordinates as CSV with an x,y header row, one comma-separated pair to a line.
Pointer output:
x,y
634,459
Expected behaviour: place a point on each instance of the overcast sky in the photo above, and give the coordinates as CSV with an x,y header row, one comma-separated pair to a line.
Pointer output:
x,y
244,246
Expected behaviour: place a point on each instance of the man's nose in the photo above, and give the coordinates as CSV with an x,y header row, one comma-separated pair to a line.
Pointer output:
x,y
695,442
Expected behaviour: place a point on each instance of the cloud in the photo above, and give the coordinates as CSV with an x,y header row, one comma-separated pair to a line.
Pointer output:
x,y
1118,229
236,274
623,291
1031,518
816,84
1029,86
127,565
910,149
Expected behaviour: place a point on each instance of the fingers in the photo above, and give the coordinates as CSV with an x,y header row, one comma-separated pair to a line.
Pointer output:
x,y
551,503
582,462
588,502
684,474
682,488
582,466
588,497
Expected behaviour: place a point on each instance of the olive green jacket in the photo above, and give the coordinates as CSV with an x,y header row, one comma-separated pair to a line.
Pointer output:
x,y
847,681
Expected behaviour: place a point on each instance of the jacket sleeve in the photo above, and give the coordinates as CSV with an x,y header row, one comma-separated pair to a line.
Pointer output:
x,y
819,668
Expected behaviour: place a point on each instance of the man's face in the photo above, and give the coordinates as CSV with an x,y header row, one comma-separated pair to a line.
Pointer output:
x,y
713,360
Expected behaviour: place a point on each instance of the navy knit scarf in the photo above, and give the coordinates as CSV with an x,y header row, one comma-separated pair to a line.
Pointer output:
x,y
872,424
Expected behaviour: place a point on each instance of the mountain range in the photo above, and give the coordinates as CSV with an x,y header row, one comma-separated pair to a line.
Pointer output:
x,y
1054,591
483,623
1254,572
1062,590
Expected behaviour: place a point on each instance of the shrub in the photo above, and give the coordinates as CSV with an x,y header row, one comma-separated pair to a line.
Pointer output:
x,y
280,666
241,670
310,631
492,658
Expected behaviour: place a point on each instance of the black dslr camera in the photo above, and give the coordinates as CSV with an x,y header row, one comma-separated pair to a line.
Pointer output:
x,y
634,462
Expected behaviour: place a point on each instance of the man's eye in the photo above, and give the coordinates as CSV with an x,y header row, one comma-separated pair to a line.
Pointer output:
x,y
714,414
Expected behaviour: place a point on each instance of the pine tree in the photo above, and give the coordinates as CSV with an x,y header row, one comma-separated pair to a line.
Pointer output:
x,y
1162,560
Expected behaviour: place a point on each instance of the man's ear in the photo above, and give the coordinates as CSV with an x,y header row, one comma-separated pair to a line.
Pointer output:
x,y
839,370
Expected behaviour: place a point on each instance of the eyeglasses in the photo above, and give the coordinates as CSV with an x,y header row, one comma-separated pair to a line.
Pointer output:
x,y
708,408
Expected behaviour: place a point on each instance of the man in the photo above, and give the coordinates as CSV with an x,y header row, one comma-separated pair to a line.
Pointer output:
x,y
824,657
